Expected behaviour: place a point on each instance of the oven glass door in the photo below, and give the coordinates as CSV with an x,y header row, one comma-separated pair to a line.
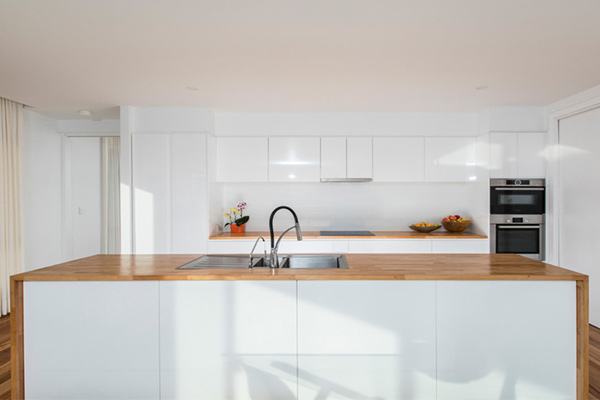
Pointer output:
x,y
518,239
517,200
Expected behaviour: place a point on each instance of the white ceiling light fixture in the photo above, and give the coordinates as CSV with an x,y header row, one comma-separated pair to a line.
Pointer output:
x,y
85,113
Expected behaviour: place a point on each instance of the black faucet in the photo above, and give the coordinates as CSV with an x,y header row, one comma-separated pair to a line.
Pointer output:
x,y
274,259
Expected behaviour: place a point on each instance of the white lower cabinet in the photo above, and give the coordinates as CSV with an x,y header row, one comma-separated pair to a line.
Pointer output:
x,y
355,339
366,340
506,340
91,340
228,340
392,246
463,246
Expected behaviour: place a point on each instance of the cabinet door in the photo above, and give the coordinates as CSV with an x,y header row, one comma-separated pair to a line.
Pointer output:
x,y
228,340
294,159
458,246
188,193
451,159
532,155
398,159
151,193
508,340
366,339
359,152
170,185
91,340
504,155
392,246
242,159
333,157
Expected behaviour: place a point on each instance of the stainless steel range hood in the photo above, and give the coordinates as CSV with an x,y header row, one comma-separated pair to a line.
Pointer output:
x,y
354,180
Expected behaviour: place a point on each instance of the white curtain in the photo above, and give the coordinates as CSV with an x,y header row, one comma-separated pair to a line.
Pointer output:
x,y
11,247
111,225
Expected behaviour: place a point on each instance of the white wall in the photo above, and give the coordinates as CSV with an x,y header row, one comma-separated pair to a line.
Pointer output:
x,y
106,126
42,207
346,124
373,206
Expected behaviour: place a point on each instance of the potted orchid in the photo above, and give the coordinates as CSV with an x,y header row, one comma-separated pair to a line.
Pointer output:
x,y
237,219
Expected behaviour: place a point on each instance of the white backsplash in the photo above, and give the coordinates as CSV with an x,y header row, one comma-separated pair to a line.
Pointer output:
x,y
372,206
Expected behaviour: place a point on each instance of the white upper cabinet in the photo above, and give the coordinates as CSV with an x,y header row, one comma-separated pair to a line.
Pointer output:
x,y
518,155
532,155
359,153
346,157
450,159
503,155
294,159
398,159
333,157
242,159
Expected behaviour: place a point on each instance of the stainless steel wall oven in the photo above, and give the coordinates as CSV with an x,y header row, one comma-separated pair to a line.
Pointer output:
x,y
517,220
517,196
523,235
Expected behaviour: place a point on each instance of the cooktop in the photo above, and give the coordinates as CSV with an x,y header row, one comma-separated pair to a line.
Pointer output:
x,y
347,233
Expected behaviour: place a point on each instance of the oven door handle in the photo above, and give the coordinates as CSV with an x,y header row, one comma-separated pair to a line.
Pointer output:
x,y
521,188
519,227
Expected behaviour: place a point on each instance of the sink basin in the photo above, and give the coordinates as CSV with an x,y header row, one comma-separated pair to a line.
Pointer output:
x,y
218,261
315,261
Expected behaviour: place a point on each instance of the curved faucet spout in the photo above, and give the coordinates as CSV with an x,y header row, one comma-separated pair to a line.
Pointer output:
x,y
274,246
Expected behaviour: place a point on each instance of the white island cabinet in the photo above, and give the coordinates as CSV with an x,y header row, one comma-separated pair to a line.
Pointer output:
x,y
228,340
270,336
91,340
366,339
506,340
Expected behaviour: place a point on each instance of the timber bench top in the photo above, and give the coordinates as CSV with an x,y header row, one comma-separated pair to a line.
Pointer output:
x,y
361,267
311,235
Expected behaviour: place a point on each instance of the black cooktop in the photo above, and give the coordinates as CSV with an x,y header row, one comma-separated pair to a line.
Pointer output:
x,y
347,233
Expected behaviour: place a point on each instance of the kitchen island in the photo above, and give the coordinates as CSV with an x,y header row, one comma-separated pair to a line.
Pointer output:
x,y
390,326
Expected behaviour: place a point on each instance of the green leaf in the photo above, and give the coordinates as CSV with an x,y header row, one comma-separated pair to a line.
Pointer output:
x,y
225,226
242,221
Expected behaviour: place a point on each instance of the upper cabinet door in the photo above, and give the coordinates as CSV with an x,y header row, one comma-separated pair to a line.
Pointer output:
x,y
503,155
452,159
518,155
294,159
398,159
242,159
532,155
359,153
333,157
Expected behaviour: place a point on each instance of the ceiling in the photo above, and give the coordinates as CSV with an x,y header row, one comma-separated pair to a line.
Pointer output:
x,y
63,56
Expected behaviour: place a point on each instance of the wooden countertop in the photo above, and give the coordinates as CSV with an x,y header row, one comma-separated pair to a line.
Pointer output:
x,y
378,235
362,267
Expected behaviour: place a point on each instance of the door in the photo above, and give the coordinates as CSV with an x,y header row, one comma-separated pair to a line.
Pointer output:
x,y
84,210
579,194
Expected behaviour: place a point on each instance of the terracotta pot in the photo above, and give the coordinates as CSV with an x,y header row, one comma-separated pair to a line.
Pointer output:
x,y
238,229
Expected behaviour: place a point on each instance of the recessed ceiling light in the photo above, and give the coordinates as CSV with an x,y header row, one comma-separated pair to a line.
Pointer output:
x,y
192,88
483,87
85,113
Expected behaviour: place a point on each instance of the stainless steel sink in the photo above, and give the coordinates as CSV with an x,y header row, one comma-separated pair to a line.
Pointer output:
x,y
218,261
321,261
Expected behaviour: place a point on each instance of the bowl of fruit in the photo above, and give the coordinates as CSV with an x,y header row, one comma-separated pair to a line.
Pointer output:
x,y
455,223
425,227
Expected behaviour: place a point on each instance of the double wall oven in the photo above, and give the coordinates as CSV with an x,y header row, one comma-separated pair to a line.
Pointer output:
x,y
517,221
